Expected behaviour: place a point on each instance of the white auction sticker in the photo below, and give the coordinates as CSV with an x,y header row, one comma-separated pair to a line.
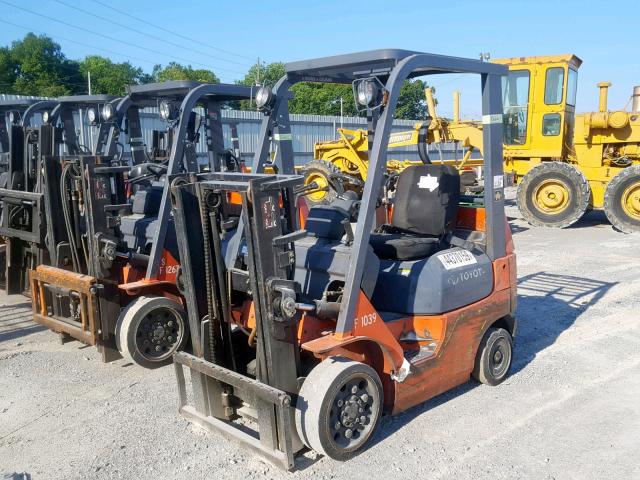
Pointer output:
x,y
498,181
457,258
489,119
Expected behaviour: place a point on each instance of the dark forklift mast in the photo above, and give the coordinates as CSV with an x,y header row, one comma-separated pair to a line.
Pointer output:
x,y
270,230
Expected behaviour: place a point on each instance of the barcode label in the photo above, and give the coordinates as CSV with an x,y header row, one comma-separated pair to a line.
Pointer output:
x,y
458,258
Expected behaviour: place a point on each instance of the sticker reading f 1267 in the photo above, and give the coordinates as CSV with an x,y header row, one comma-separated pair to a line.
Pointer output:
x,y
457,258
269,214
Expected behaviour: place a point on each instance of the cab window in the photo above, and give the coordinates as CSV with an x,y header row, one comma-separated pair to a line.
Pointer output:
x,y
572,87
515,101
554,86
551,124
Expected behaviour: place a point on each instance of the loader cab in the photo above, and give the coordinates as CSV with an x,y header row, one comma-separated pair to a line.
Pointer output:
x,y
539,97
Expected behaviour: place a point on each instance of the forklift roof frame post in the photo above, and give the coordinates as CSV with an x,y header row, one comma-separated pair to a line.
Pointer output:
x,y
39,107
20,105
192,94
392,67
63,112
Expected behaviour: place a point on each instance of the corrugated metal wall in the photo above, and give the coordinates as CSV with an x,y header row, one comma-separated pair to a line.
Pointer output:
x,y
306,131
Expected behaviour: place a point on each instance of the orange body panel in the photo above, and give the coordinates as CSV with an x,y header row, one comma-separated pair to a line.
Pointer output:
x,y
470,218
457,335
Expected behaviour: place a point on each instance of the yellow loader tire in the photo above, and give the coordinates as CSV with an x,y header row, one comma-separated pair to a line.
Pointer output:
x,y
622,200
553,194
320,172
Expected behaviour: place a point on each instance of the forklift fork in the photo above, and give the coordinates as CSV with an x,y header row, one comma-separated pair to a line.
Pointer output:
x,y
273,410
47,283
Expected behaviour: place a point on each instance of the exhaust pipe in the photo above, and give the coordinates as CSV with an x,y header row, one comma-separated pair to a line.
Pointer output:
x,y
604,90
635,100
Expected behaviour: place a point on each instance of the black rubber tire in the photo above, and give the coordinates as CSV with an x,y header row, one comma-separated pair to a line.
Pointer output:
x,y
579,194
485,369
128,328
325,169
317,402
620,219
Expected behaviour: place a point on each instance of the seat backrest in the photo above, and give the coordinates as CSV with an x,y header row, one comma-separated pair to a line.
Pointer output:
x,y
426,201
147,200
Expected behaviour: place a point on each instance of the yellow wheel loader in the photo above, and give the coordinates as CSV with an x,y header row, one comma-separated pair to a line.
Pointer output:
x,y
563,163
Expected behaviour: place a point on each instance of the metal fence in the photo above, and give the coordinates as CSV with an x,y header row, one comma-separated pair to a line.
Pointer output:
x,y
306,131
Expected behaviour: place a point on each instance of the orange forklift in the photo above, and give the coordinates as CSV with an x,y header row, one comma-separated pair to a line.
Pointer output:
x,y
306,328
113,281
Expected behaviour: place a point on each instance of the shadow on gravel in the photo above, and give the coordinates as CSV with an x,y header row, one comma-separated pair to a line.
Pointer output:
x,y
16,321
548,304
591,219
515,228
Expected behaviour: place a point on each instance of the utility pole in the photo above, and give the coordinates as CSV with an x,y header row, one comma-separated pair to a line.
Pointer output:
x,y
89,81
341,112
258,72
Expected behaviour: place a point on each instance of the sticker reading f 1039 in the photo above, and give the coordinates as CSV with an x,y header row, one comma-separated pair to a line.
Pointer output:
x,y
457,258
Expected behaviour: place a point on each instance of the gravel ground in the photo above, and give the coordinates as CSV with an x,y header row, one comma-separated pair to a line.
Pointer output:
x,y
568,411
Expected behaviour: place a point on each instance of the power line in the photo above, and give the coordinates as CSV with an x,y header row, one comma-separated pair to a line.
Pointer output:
x,y
140,32
140,59
166,30
113,39
112,52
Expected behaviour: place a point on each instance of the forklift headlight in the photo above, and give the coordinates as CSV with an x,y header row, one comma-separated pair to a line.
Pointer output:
x,y
14,117
167,110
92,116
45,116
108,112
367,92
264,98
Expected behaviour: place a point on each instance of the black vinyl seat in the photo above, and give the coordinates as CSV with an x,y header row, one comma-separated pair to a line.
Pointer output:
x,y
424,211
402,246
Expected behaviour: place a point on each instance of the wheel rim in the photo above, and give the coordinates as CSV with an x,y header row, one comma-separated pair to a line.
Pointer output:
x,y
500,358
552,196
631,201
353,413
322,183
159,333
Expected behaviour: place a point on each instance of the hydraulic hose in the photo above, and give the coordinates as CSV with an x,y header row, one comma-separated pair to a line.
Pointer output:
x,y
67,217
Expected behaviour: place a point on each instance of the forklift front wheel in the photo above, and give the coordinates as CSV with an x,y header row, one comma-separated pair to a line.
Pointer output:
x,y
150,329
338,407
493,359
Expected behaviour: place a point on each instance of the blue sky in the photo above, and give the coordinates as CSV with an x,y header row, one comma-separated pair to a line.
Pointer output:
x,y
605,38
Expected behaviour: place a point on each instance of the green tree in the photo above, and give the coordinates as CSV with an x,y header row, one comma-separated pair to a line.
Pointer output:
x,y
8,70
412,104
175,71
108,77
322,99
264,74
42,69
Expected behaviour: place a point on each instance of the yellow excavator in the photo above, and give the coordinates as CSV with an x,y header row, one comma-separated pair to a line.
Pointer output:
x,y
563,164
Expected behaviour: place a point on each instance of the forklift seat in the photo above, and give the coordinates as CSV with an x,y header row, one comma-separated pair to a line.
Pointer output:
x,y
424,211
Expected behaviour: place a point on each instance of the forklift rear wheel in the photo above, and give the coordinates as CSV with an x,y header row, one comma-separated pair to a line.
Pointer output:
x,y
553,194
622,200
327,189
150,329
338,407
493,359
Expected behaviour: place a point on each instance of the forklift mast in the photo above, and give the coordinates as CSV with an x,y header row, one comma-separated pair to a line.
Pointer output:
x,y
25,225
